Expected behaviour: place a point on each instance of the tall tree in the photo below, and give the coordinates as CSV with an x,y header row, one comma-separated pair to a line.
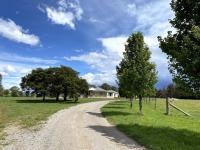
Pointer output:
x,y
136,74
14,91
38,80
67,74
183,47
83,87
55,81
105,86
1,86
6,92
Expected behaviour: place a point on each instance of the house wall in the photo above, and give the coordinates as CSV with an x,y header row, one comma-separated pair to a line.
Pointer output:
x,y
102,94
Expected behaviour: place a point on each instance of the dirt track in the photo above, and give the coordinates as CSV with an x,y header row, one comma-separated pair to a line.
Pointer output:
x,y
81,127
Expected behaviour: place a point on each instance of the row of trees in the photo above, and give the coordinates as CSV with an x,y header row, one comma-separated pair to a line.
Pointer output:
x,y
13,91
175,91
55,81
137,75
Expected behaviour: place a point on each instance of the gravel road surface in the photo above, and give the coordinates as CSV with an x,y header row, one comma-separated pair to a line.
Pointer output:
x,y
80,127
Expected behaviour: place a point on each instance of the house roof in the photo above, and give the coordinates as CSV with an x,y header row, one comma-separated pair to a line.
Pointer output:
x,y
97,89
101,90
112,91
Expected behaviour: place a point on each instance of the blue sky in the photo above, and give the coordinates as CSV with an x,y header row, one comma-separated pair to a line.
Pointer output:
x,y
87,35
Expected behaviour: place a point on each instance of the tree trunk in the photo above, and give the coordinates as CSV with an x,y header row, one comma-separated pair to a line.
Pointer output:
x,y
131,102
167,106
140,104
57,97
43,97
155,102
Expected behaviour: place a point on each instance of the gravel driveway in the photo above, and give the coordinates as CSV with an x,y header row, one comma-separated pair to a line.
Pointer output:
x,y
80,127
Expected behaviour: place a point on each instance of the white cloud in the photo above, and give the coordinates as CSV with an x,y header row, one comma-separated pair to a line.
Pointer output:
x,y
114,45
11,57
12,72
10,30
151,18
60,17
103,62
131,9
65,14
99,78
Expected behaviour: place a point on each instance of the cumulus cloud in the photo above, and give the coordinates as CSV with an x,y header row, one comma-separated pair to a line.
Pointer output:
x,y
11,57
105,61
151,18
12,72
10,30
65,14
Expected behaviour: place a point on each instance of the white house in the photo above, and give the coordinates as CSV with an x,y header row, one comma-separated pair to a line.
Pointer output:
x,y
101,93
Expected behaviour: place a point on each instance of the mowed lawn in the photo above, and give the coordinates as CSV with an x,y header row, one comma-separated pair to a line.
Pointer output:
x,y
28,111
155,130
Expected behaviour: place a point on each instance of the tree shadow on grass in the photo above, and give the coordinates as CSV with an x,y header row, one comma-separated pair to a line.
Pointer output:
x,y
162,138
114,107
113,134
115,113
110,113
46,101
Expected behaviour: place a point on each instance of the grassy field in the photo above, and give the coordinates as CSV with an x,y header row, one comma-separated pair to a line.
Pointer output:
x,y
29,111
155,130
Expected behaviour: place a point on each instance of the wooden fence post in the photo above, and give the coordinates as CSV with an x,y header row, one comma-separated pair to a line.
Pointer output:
x,y
167,106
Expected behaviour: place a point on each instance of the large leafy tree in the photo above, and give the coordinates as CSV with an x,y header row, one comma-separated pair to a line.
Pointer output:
x,y
105,86
68,75
83,87
15,91
183,47
38,80
55,81
136,74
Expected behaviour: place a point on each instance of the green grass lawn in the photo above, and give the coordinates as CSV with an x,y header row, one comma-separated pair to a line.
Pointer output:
x,y
155,130
28,111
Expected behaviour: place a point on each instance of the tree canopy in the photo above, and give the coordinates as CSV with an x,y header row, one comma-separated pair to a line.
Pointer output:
x,y
55,81
1,86
183,46
15,91
136,74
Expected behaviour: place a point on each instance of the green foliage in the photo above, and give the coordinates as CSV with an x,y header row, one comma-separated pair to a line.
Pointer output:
x,y
14,91
37,80
183,47
155,130
1,87
55,81
175,91
105,86
6,92
136,74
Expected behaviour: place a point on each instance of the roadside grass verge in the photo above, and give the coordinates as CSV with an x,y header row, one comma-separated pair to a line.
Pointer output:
x,y
29,111
155,130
